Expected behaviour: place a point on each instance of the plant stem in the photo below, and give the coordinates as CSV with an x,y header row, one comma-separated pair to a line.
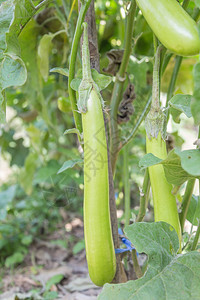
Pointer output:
x,y
155,43
118,86
156,80
137,125
136,265
43,3
186,202
126,186
71,10
144,197
86,70
178,61
72,65
196,238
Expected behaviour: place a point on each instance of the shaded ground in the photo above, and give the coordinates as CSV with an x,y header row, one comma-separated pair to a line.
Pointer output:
x,y
49,260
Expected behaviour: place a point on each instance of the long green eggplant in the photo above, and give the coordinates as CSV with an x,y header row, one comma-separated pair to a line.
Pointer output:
x,y
100,252
172,25
164,201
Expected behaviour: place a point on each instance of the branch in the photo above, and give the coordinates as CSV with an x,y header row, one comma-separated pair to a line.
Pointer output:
x,y
186,201
126,186
118,87
196,238
156,80
137,125
72,65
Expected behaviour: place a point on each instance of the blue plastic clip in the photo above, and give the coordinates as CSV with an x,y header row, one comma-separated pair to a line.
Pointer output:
x,y
126,242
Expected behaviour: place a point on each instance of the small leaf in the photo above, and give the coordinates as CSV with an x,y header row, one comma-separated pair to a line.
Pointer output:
x,y
50,295
54,280
78,247
62,71
60,243
69,164
27,240
75,83
16,258
27,173
101,80
72,130
6,197
180,104
149,160
193,213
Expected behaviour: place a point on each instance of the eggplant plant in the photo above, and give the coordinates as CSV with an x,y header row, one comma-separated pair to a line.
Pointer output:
x,y
115,104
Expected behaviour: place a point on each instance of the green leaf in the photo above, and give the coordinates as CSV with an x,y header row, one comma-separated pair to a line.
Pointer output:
x,y
62,71
47,171
54,280
28,41
6,197
16,258
197,2
149,160
60,243
168,276
50,295
180,104
18,153
27,240
174,172
195,104
190,161
139,68
78,247
178,140
72,130
43,54
178,166
27,174
14,14
101,80
75,83
193,213
69,164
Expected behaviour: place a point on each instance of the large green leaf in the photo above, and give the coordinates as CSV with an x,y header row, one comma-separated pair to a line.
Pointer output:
x,y
180,104
14,14
179,166
168,276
